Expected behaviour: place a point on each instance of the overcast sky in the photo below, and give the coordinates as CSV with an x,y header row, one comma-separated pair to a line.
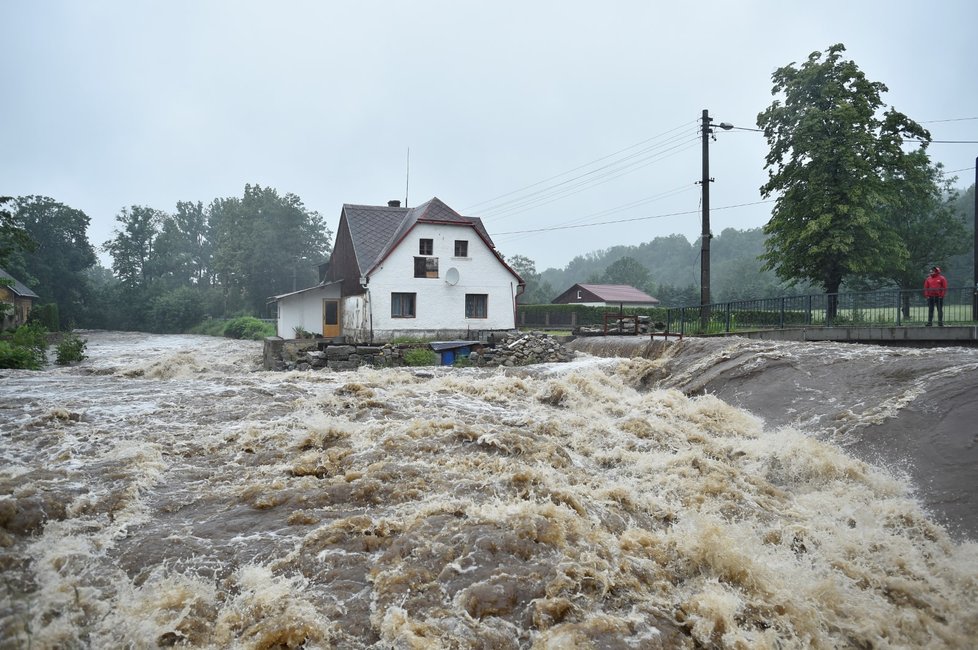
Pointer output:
x,y
594,106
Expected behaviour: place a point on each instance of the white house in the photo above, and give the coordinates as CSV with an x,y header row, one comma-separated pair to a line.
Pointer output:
x,y
425,271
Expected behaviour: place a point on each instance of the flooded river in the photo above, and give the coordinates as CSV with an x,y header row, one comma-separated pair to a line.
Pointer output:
x,y
167,492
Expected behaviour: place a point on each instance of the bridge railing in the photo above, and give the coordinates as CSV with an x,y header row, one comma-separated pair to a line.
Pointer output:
x,y
882,308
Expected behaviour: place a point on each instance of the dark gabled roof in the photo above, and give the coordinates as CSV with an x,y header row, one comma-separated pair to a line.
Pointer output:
x,y
376,230
17,286
617,293
372,228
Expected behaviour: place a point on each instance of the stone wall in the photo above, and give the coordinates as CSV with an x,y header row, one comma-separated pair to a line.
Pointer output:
x,y
315,354
521,349
514,349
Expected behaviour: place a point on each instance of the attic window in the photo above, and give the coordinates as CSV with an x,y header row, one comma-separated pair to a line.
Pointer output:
x,y
461,248
578,294
426,267
426,247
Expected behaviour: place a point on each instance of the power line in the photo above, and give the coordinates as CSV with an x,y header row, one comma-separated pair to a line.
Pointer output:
x,y
955,119
605,223
587,164
605,170
556,192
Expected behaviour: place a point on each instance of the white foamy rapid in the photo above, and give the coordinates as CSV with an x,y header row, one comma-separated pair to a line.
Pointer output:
x,y
166,492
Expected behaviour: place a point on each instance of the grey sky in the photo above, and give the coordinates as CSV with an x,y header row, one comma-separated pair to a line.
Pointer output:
x,y
115,103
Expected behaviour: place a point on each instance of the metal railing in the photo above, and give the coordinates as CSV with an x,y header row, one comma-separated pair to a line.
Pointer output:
x,y
882,308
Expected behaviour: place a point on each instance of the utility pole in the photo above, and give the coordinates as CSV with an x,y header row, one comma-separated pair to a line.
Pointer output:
x,y
705,238
707,235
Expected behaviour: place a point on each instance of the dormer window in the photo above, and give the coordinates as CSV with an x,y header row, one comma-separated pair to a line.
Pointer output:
x,y
426,247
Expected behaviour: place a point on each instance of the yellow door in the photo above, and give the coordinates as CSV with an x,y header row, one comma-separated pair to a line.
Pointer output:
x,y
331,318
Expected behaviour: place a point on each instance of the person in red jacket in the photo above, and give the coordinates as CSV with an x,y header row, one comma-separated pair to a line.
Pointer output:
x,y
935,287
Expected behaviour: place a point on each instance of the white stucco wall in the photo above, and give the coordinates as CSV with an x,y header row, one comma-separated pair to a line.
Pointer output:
x,y
304,309
440,307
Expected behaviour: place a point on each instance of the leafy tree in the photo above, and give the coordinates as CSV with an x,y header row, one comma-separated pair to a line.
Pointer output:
x,y
132,246
830,156
923,217
628,271
960,268
182,251
13,236
265,244
55,267
537,291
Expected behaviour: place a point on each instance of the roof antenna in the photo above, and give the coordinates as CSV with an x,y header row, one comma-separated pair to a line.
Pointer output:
x,y
407,180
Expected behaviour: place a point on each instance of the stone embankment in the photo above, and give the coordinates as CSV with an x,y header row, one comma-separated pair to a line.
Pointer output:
x,y
517,349
521,349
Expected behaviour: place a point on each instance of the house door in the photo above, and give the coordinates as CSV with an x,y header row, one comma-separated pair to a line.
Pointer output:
x,y
331,318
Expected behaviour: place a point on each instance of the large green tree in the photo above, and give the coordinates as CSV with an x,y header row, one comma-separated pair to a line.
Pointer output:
x,y
133,244
265,244
13,236
630,271
923,217
833,147
55,267
182,250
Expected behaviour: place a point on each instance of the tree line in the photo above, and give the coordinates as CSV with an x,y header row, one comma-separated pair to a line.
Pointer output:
x,y
170,270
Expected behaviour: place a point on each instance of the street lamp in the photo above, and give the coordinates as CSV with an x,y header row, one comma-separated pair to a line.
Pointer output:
x,y
705,240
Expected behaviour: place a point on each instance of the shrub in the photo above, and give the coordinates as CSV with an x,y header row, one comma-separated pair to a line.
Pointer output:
x,y
30,340
176,310
420,357
209,327
17,356
70,350
248,327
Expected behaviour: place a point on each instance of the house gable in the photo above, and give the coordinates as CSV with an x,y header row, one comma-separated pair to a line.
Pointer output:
x,y
367,235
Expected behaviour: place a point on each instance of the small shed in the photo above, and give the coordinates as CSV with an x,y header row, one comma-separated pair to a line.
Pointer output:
x,y
605,295
449,351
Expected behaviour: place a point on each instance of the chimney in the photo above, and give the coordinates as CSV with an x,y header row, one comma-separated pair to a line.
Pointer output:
x,y
394,204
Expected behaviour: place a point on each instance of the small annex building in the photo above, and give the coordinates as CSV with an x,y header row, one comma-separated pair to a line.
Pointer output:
x,y
15,293
605,295
425,271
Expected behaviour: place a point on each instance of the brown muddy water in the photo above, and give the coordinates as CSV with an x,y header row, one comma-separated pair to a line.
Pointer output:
x,y
166,492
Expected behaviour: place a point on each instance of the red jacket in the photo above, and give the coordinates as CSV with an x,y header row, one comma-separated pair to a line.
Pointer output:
x,y
935,286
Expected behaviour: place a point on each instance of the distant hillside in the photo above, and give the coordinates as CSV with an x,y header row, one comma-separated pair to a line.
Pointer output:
x,y
673,265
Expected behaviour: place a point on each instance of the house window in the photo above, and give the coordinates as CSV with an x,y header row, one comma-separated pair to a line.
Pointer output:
x,y
426,247
402,305
461,248
426,267
578,294
476,305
